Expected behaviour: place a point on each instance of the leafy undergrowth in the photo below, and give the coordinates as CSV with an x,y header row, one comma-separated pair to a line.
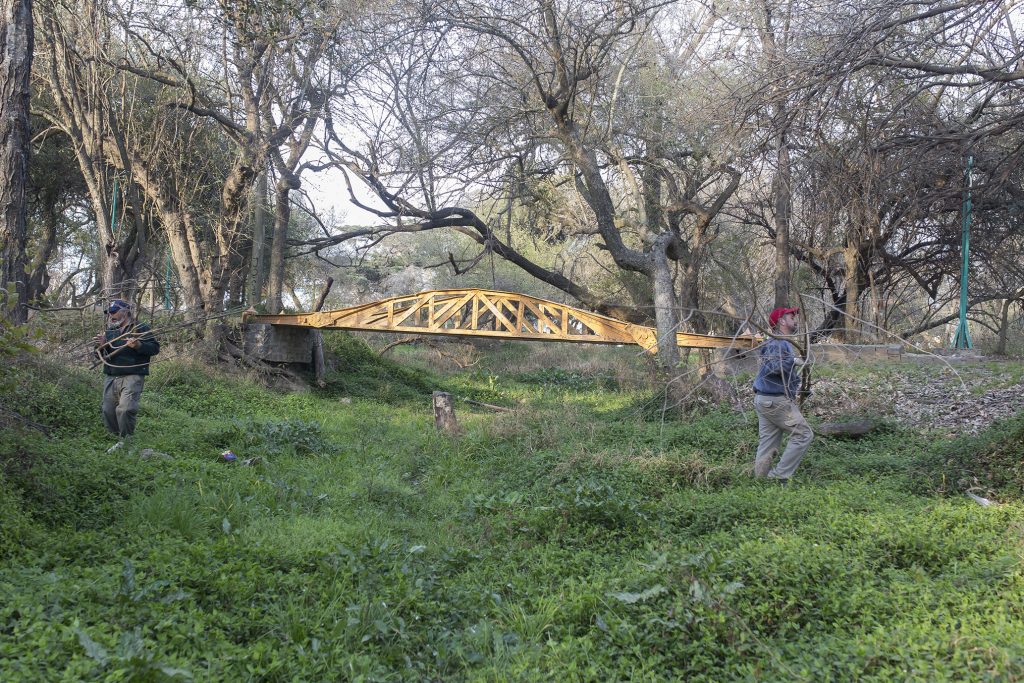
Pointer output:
x,y
576,538
992,462
358,371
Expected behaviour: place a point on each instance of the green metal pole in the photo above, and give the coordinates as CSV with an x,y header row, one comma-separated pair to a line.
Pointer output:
x,y
113,210
113,229
962,339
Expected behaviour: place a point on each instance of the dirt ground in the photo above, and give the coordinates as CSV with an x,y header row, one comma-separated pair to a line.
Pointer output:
x,y
954,399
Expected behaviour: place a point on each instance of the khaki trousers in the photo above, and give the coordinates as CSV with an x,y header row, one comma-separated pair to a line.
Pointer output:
x,y
775,415
121,403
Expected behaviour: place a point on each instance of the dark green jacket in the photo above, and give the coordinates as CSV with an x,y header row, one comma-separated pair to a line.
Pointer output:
x,y
120,359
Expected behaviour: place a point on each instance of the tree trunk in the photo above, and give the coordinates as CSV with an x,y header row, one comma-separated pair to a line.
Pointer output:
x,y
773,30
39,278
782,189
16,37
689,294
236,281
319,362
259,232
282,216
666,310
213,273
1004,326
181,256
110,271
92,162
222,262
851,286
296,301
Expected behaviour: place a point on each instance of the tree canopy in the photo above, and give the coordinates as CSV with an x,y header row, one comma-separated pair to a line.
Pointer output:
x,y
684,163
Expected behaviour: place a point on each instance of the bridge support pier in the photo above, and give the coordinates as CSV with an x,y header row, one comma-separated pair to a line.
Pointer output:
x,y
278,343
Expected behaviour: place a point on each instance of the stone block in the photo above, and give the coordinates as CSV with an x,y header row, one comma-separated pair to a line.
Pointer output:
x,y
278,343
838,353
733,361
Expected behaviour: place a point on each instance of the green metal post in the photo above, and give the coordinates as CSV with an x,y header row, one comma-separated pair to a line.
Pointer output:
x,y
113,211
962,339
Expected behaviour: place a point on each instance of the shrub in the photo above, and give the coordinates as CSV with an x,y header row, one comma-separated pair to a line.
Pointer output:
x,y
65,400
18,530
71,482
177,510
595,502
13,343
199,391
274,438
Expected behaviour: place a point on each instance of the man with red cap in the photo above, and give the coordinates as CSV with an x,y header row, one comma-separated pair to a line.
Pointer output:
x,y
776,389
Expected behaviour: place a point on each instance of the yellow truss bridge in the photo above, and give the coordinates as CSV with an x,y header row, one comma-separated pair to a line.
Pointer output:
x,y
488,313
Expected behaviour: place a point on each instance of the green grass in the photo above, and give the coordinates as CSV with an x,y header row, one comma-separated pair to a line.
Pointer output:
x,y
581,537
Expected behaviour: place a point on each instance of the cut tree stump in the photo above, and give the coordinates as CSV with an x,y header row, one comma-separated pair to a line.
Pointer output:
x,y
444,413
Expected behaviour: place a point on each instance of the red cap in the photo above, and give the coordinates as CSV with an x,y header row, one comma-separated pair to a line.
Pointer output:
x,y
773,318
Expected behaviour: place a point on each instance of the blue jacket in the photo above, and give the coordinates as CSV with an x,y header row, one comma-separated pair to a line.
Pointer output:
x,y
777,375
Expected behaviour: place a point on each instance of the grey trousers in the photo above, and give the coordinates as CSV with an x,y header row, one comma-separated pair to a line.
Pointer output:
x,y
121,403
775,415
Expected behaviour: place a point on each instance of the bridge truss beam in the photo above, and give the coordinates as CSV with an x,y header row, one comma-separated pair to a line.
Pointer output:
x,y
489,313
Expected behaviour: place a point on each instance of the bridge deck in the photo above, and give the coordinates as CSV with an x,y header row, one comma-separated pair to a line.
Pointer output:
x,y
488,313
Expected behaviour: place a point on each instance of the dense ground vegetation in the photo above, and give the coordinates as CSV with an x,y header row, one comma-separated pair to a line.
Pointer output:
x,y
581,537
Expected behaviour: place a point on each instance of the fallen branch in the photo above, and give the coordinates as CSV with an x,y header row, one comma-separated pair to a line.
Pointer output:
x,y
441,353
491,406
46,309
854,428
398,342
7,412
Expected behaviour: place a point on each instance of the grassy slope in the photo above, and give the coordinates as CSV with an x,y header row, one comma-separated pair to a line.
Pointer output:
x,y
574,540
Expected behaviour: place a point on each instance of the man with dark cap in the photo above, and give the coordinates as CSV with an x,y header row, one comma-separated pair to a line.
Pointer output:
x,y
125,348
776,389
